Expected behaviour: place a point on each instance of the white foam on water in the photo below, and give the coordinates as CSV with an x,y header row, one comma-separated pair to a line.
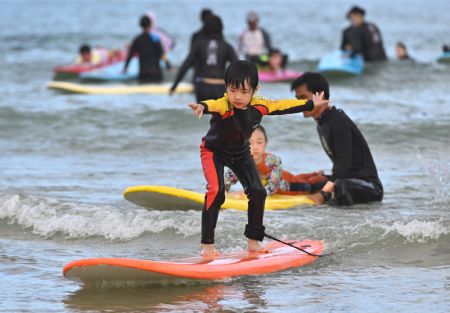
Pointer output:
x,y
48,217
415,230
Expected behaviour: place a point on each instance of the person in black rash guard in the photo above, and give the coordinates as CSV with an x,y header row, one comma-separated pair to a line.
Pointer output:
x,y
354,178
150,51
362,37
201,33
209,57
233,119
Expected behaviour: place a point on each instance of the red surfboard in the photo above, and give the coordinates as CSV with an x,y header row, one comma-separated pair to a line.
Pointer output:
x,y
224,266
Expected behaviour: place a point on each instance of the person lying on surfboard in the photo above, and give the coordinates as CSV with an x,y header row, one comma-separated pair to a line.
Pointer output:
x,y
233,119
275,180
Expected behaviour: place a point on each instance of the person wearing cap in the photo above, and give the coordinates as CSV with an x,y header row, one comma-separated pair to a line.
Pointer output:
x,y
362,37
201,33
254,42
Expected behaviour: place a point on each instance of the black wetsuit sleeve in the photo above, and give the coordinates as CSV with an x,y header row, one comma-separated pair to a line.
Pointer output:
x,y
345,40
342,143
131,52
267,40
231,54
160,49
188,62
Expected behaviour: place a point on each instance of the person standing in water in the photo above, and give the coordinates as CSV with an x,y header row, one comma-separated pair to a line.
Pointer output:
x,y
233,119
148,46
354,177
362,37
254,42
401,51
209,57
201,33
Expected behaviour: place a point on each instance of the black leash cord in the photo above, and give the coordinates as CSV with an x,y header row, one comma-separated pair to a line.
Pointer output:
x,y
291,245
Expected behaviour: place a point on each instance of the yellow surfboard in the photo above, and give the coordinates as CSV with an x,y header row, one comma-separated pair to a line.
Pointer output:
x,y
169,198
118,89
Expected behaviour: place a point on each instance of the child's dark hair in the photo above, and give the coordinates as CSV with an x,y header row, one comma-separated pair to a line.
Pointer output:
x,y
314,82
262,129
239,72
85,49
145,22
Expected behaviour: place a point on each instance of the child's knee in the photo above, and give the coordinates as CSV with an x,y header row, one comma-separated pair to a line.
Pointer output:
x,y
217,193
257,192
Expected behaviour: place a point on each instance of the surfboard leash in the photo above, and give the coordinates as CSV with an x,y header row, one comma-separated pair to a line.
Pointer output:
x,y
291,245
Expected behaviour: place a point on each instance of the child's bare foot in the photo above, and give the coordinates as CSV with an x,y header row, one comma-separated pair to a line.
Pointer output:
x,y
255,246
208,251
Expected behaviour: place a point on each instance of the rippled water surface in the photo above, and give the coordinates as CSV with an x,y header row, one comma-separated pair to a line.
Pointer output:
x,y
66,159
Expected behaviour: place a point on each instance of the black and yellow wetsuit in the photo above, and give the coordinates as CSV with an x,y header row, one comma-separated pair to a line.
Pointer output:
x,y
226,144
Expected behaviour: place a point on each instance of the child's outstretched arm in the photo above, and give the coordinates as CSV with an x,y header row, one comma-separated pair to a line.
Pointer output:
x,y
198,109
289,106
210,106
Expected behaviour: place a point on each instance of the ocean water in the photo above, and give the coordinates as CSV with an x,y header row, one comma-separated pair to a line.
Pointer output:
x,y
66,159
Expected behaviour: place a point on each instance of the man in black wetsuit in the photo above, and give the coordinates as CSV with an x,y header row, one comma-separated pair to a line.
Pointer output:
x,y
362,37
209,57
354,178
201,33
149,48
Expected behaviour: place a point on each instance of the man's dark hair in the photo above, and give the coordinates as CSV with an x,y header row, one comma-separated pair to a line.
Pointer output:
x,y
85,49
239,72
213,27
204,14
356,10
145,22
314,82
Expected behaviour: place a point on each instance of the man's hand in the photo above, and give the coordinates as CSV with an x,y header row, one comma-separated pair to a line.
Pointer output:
x,y
198,109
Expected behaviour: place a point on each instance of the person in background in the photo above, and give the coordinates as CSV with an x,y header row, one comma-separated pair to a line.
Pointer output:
x,y
354,178
209,56
201,33
362,37
277,60
254,42
92,56
276,180
401,51
148,46
167,41
446,48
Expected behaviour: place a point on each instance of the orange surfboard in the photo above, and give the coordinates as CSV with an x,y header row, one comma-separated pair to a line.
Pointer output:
x,y
280,257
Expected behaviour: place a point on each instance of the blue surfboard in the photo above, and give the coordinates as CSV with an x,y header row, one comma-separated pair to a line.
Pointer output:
x,y
340,63
114,72
444,58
